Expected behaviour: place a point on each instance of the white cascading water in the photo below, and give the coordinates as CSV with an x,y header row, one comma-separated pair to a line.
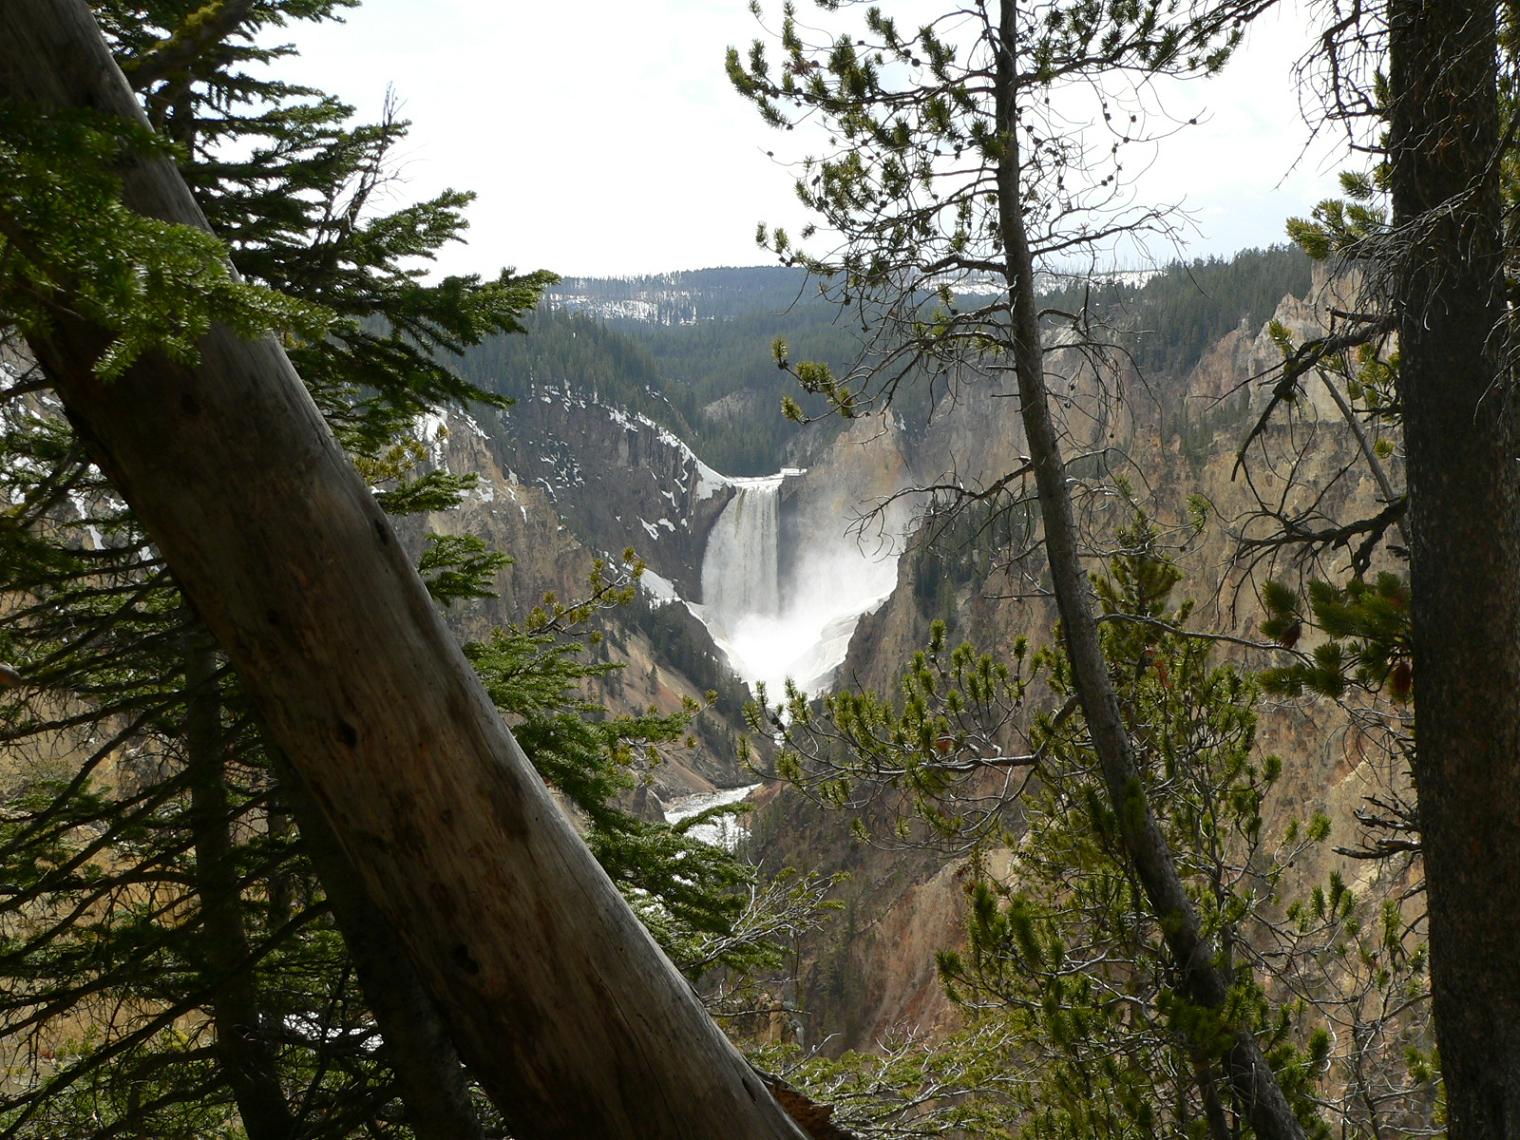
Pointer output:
x,y
741,568
774,626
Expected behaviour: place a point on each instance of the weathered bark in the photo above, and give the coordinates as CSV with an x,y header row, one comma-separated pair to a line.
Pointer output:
x,y
565,1009
243,1052
1464,511
1201,981
430,1075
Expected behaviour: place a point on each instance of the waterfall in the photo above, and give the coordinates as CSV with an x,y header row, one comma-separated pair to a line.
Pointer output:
x,y
798,625
741,568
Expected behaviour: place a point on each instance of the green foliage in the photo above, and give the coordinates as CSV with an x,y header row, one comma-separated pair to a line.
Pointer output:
x,y
1064,963
394,347
1367,631
686,889
953,722
911,1087
1346,227
148,284
454,567
1064,945
570,354
1337,227
431,491
105,945
927,140
295,187
1170,319
101,924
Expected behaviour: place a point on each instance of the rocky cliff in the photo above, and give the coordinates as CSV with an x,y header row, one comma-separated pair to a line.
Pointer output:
x,y
615,479
1173,440
531,523
564,476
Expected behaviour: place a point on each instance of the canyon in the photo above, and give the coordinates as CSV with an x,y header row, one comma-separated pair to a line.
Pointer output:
x,y
831,569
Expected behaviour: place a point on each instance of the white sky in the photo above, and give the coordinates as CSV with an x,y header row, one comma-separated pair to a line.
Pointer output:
x,y
602,136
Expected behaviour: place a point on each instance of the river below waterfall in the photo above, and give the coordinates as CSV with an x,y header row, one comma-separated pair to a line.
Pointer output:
x,y
726,830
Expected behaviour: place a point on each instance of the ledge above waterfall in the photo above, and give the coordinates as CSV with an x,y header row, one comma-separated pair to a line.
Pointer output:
x,y
762,481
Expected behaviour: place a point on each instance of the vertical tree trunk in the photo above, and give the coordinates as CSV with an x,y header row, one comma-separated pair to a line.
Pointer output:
x,y
429,1073
1464,511
243,1053
563,1006
1200,980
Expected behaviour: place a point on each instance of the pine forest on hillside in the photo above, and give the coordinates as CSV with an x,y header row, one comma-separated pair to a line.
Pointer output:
x,y
996,670
702,365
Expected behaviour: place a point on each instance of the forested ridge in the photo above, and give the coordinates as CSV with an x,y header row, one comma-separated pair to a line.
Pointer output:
x,y
693,351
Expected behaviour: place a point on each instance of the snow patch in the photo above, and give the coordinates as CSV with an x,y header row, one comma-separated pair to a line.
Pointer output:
x,y
709,482
661,590
433,431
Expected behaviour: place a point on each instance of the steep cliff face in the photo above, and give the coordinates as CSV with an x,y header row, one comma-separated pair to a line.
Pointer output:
x,y
526,522
511,516
851,493
1169,437
616,479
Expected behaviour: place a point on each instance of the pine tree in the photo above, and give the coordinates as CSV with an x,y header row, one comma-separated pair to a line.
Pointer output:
x,y
211,947
1077,1022
1425,229
951,164
1063,946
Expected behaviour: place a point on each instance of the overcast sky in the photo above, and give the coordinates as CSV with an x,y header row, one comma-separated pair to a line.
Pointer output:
x,y
602,136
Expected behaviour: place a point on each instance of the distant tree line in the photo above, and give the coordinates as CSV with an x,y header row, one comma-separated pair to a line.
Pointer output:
x,y
693,351
1173,317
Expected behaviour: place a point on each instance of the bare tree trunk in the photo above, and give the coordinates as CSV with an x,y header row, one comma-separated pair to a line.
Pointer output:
x,y
1464,511
1201,981
574,1022
429,1073
243,1052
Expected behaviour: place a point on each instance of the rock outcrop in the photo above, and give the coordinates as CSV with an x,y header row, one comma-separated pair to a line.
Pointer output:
x,y
616,479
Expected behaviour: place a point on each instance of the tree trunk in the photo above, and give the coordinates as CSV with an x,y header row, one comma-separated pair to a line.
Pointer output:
x,y
1200,980
429,1073
243,1052
565,1009
1464,509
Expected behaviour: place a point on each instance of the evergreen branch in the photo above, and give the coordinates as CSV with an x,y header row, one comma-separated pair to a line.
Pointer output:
x,y
27,1104
1200,635
1305,357
189,46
